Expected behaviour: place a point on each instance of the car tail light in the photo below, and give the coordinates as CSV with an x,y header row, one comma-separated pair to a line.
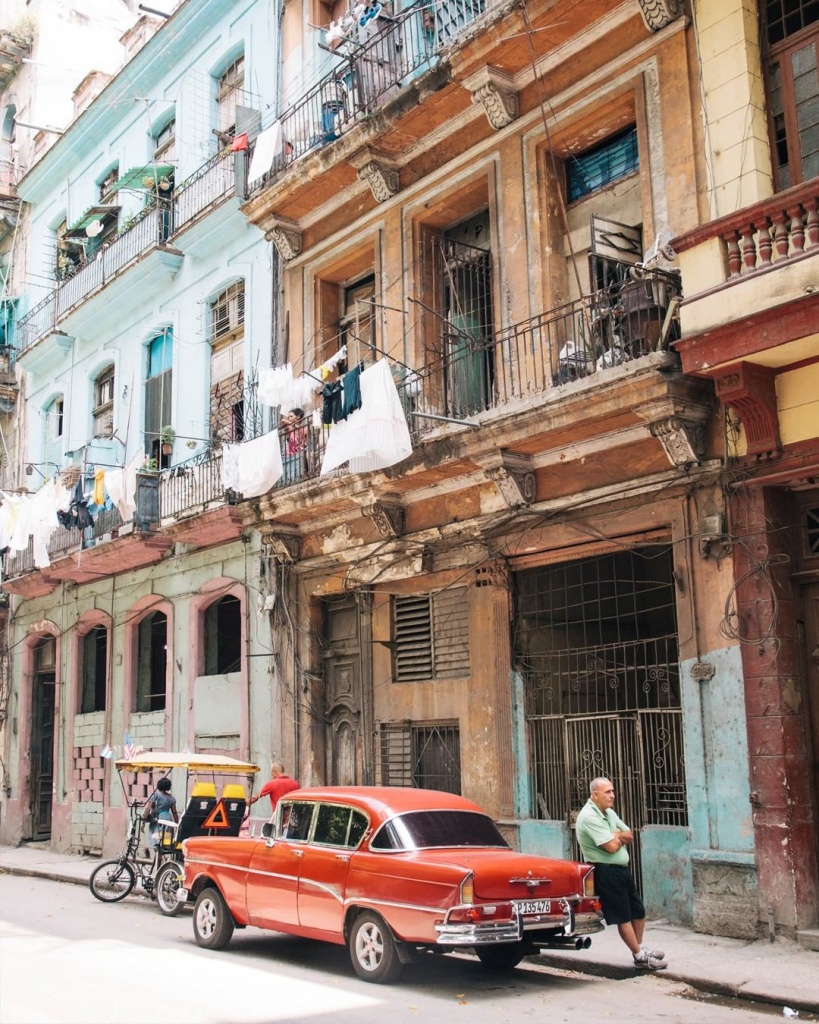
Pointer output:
x,y
467,893
481,912
591,906
588,883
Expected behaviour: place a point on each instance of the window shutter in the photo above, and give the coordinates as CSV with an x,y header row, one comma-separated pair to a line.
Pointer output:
x,y
450,617
413,638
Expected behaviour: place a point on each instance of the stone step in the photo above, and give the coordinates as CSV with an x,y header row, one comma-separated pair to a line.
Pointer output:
x,y
809,938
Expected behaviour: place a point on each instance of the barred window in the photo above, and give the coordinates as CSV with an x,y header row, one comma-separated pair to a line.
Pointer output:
x,y
228,94
425,755
227,314
431,636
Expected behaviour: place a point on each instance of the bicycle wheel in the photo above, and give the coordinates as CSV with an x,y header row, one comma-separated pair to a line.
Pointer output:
x,y
166,885
112,881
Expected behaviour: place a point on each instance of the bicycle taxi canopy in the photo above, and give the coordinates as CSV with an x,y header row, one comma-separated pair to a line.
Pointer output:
x,y
205,811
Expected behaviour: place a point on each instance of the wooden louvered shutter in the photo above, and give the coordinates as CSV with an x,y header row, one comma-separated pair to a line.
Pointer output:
x,y
413,638
450,630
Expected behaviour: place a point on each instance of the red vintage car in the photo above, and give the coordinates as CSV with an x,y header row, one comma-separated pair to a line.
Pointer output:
x,y
389,872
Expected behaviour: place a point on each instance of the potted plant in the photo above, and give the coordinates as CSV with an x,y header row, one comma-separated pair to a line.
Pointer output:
x,y
167,436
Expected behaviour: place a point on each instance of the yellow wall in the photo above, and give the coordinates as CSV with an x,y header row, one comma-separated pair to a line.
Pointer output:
x,y
736,138
797,395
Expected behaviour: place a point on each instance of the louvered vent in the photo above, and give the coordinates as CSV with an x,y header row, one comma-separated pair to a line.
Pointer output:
x,y
228,311
450,616
413,638
432,636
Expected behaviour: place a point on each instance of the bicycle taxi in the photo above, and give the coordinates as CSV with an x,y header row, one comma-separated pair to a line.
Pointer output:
x,y
217,789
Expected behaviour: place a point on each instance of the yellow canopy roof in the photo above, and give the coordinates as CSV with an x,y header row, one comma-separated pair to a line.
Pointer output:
x,y
193,762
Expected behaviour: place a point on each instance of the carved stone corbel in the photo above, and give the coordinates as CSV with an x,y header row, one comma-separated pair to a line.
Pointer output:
x,y
495,91
659,13
678,422
285,546
285,235
513,476
682,440
389,519
380,173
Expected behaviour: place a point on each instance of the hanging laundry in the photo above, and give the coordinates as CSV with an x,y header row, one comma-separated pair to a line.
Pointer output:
x,y
253,467
98,492
268,147
43,511
352,391
276,386
333,396
121,487
376,435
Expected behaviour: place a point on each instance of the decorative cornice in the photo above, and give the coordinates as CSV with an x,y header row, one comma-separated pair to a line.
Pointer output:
x,y
495,91
380,173
286,236
389,519
750,390
659,13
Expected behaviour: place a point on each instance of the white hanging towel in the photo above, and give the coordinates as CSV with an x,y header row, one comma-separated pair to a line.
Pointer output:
x,y
44,522
268,147
121,487
374,436
254,467
276,386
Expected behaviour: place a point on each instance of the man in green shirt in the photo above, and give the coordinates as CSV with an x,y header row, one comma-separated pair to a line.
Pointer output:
x,y
604,841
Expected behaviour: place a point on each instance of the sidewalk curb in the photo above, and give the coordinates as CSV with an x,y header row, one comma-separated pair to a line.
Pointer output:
x,y
51,876
717,988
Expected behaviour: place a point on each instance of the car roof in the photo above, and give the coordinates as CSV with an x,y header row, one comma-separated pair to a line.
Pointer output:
x,y
387,801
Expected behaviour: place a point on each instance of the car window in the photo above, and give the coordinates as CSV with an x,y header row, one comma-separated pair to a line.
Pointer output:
x,y
295,821
339,826
420,830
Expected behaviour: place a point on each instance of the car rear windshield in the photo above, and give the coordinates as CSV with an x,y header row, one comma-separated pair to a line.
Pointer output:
x,y
423,830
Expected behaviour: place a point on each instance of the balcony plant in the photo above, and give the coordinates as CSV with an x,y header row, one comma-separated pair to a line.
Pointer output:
x,y
167,436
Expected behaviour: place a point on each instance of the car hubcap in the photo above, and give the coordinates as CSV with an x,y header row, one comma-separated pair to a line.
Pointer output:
x,y
369,947
207,919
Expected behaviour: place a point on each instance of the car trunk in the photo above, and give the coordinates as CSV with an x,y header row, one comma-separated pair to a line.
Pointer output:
x,y
505,877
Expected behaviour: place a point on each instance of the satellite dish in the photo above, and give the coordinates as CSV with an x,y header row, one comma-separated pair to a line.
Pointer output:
x,y
94,229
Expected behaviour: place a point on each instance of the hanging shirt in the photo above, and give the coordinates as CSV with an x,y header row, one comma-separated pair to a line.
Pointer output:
x,y
333,395
98,492
352,391
376,435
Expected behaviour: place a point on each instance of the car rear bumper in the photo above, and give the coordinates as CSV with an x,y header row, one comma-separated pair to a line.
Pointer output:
x,y
564,925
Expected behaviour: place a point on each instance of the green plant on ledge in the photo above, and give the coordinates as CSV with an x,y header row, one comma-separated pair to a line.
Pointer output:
x,y
167,436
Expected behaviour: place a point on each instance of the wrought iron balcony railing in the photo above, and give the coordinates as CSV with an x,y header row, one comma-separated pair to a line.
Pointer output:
x,y
150,228
211,182
373,66
64,541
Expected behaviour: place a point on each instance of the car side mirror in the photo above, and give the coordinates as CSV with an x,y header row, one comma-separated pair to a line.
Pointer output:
x,y
267,830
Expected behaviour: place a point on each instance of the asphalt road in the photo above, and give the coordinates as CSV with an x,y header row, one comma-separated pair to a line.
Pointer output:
x,y
66,958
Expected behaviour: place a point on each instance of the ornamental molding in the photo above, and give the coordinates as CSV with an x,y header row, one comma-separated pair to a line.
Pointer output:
x,y
389,519
496,92
659,13
287,238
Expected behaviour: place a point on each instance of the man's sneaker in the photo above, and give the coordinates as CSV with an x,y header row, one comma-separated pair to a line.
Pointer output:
x,y
658,954
644,962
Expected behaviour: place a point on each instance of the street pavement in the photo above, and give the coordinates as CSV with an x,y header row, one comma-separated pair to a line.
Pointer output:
x,y
780,973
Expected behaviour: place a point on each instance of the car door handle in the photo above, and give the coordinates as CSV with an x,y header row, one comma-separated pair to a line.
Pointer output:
x,y
297,853
342,856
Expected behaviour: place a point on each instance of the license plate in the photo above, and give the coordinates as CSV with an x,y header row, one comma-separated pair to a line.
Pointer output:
x,y
533,906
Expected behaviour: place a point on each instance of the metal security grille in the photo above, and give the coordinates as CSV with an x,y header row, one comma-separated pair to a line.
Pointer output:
x,y
596,643
421,755
431,635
